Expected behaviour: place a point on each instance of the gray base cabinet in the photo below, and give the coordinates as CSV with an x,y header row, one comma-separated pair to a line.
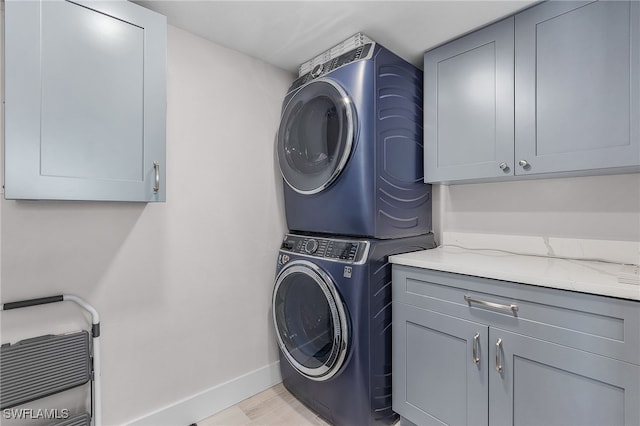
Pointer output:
x,y
475,351
543,383
575,110
85,101
435,348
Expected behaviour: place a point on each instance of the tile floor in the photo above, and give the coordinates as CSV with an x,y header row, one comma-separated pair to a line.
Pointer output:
x,y
274,406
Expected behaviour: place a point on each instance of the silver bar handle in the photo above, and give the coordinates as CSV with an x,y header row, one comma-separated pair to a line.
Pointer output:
x,y
476,358
156,183
512,307
498,356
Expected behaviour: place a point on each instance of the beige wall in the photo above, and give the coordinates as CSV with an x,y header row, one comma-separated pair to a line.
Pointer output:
x,y
183,287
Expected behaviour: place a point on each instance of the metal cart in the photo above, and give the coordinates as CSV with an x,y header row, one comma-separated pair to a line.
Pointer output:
x,y
46,365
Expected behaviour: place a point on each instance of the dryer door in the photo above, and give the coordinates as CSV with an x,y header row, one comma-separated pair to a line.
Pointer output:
x,y
315,137
310,321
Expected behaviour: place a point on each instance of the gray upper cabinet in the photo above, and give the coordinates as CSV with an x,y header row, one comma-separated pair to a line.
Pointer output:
x,y
85,101
578,86
576,105
469,106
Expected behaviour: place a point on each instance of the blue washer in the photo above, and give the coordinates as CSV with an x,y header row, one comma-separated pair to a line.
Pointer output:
x,y
350,148
332,315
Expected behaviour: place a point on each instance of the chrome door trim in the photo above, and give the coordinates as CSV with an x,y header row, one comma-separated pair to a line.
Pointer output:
x,y
351,123
338,314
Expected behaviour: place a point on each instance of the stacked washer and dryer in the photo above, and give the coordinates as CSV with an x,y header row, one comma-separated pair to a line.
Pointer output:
x,y
350,152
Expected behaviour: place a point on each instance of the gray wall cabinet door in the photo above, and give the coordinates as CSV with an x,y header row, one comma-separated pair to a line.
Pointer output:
x,y
577,69
542,383
469,101
85,101
435,378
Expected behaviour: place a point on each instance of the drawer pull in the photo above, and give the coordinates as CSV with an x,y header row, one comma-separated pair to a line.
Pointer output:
x,y
498,357
476,358
512,307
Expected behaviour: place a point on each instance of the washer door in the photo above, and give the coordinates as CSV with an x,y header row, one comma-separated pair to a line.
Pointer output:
x,y
315,136
310,321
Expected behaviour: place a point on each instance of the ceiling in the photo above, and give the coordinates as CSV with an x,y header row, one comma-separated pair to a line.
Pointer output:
x,y
288,33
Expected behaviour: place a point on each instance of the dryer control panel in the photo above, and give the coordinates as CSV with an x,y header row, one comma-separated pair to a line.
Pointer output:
x,y
351,251
362,52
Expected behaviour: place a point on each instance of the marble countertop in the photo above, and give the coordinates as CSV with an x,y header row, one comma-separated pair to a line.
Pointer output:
x,y
584,276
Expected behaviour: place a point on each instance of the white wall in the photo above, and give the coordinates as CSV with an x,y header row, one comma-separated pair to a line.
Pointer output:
x,y
183,287
594,207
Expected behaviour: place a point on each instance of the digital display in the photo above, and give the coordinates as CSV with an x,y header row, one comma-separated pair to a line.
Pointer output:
x,y
342,250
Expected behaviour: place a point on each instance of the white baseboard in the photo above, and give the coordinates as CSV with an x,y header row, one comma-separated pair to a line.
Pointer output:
x,y
213,400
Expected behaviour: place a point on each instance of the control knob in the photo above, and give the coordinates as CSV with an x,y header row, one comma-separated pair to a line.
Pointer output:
x,y
317,70
311,246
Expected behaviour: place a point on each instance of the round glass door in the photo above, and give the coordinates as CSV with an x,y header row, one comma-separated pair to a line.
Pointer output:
x,y
315,136
311,325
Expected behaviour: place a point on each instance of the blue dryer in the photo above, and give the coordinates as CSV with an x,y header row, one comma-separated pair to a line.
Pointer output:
x,y
332,315
350,148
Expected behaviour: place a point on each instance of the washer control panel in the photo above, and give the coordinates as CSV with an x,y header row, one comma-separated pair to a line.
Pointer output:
x,y
327,248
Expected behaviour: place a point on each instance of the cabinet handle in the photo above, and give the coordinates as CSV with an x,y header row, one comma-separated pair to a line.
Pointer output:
x,y
476,358
503,166
523,163
156,183
512,307
498,357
